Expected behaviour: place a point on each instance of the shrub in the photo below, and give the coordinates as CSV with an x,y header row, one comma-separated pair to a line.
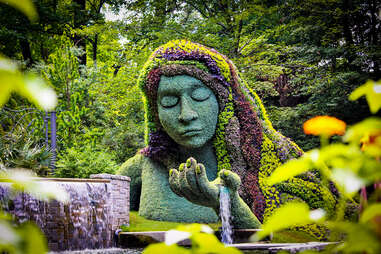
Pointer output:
x,y
81,162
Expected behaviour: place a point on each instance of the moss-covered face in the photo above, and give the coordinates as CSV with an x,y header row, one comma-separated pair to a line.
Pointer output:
x,y
188,110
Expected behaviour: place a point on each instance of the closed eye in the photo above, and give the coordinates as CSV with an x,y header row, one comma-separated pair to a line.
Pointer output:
x,y
200,94
169,101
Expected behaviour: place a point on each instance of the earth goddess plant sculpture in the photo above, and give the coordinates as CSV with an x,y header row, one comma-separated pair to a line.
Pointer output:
x,y
205,127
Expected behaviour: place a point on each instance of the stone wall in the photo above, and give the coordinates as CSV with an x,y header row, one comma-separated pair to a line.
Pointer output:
x,y
120,199
96,209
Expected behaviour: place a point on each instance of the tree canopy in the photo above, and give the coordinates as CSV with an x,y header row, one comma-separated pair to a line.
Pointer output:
x,y
303,58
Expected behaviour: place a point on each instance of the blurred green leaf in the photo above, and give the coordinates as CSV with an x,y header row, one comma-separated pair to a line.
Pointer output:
x,y
34,241
8,234
23,180
162,248
293,167
349,182
370,212
372,92
208,243
25,6
359,238
288,215
368,127
195,228
30,86
201,236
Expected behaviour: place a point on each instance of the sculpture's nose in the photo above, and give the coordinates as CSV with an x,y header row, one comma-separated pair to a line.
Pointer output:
x,y
187,114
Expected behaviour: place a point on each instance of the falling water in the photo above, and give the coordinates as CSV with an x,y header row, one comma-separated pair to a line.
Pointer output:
x,y
226,234
82,223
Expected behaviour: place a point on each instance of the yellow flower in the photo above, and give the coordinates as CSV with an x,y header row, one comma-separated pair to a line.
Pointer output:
x,y
371,143
324,125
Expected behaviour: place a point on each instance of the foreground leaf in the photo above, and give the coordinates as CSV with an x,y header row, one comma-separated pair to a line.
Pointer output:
x,y
29,86
372,92
288,215
25,6
293,168
25,181
370,212
359,238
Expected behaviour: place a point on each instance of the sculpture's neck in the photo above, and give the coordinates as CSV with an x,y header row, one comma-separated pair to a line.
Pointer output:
x,y
205,155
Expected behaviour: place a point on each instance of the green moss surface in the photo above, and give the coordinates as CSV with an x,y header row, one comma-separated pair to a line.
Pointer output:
x,y
138,224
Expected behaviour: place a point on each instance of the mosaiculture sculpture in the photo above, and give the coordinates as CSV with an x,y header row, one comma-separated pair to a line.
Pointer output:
x,y
204,127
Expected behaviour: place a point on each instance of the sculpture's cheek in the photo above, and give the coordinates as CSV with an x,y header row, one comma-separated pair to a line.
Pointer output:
x,y
191,133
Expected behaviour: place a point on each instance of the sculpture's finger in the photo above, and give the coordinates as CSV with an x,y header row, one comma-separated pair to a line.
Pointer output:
x,y
191,163
209,190
185,188
191,179
230,179
173,182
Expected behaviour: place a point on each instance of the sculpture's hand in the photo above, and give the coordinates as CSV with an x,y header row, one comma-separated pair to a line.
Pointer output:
x,y
230,180
191,182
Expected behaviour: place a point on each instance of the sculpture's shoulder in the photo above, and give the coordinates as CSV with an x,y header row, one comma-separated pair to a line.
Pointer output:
x,y
133,166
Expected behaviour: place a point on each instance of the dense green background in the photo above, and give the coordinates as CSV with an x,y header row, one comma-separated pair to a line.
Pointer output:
x,y
302,57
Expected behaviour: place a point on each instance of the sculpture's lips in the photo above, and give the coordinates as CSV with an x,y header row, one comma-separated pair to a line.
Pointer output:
x,y
192,132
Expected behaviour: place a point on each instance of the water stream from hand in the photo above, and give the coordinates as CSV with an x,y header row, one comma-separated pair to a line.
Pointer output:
x,y
227,231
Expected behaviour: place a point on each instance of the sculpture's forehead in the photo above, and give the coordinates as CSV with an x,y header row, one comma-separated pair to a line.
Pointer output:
x,y
178,83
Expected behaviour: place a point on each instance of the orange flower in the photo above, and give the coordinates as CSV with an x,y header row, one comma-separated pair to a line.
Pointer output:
x,y
324,125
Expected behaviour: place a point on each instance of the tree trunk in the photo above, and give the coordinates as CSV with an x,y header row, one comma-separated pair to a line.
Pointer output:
x,y
79,20
347,7
237,38
26,52
95,47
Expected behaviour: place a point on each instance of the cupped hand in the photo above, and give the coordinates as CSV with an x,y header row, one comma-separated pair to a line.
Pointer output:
x,y
191,182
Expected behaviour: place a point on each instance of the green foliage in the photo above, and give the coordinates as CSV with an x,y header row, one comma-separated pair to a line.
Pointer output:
x,y
81,162
350,166
17,151
201,237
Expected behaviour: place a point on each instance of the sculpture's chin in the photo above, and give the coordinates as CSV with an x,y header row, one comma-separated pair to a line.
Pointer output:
x,y
193,143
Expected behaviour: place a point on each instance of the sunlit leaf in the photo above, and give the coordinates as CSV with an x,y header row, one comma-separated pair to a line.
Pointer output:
x,y
208,243
370,212
36,90
368,134
289,215
348,180
34,240
293,168
8,234
25,6
195,228
162,248
175,236
359,238
5,91
23,180
372,92
342,156
30,86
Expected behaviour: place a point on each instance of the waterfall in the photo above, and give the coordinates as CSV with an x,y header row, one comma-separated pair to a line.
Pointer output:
x,y
82,223
226,234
